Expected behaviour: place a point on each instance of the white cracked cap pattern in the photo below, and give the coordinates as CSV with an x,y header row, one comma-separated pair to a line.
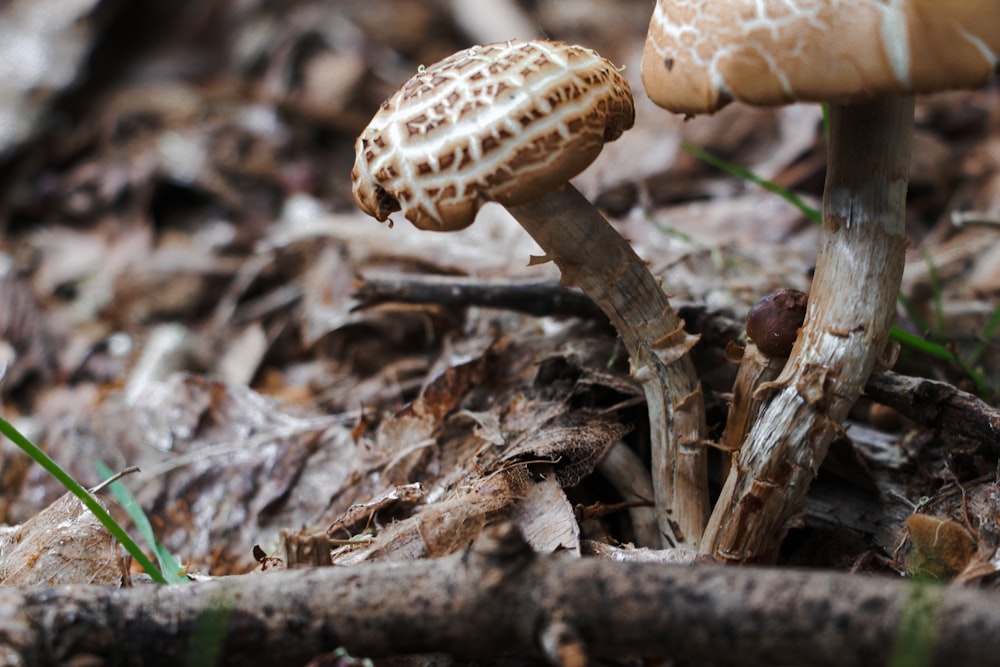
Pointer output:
x,y
504,122
702,54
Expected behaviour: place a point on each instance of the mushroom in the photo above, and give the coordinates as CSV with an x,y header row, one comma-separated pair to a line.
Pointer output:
x,y
512,123
772,327
866,58
773,322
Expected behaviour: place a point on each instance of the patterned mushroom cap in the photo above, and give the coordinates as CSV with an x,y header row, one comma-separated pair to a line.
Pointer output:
x,y
504,122
702,54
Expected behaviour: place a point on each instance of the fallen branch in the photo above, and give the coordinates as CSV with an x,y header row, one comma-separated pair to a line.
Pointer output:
x,y
531,297
937,405
498,599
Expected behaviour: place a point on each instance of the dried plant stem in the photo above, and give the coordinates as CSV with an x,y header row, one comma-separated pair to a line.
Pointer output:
x,y
851,307
756,370
593,256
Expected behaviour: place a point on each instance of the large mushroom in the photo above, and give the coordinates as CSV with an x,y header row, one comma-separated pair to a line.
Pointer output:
x,y
512,123
866,58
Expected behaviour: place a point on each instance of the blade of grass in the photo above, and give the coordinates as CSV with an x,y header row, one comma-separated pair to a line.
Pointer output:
x,y
986,336
935,284
669,231
809,211
77,489
918,320
902,337
168,564
933,349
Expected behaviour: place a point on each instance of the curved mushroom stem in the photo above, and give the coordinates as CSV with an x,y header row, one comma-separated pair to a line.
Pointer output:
x,y
851,307
593,256
626,472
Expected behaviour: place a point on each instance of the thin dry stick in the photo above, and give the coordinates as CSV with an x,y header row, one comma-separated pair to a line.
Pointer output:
x,y
625,471
534,297
938,405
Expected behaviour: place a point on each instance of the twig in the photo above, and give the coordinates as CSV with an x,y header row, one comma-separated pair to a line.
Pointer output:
x,y
498,599
532,297
938,405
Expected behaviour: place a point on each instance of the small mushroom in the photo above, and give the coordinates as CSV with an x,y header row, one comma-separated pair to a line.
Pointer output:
x,y
772,326
512,123
773,322
866,58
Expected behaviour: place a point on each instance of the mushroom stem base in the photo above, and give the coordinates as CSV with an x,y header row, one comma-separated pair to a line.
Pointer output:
x,y
851,308
594,257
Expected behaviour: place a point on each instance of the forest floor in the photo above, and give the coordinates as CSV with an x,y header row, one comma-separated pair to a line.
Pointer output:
x,y
188,287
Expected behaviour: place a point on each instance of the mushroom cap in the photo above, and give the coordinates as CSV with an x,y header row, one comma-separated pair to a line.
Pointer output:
x,y
505,122
702,54
773,322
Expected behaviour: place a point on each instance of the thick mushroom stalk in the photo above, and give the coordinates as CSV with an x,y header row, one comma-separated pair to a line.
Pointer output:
x,y
512,123
851,308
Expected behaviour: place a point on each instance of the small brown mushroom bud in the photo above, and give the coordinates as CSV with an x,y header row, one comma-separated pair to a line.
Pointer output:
x,y
772,326
773,322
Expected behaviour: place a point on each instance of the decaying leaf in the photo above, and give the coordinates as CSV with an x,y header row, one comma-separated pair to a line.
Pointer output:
x,y
545,517
941,547
442,527
400,443
62,544
218,461
574,442
359,515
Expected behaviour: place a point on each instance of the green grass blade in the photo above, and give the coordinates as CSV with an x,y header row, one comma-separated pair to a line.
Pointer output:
x,y
169,566
931,348
936,294
986,336
809,211
922,344
74,487
918,320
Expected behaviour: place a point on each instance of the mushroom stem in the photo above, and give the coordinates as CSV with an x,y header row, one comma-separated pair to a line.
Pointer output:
x,y
773,322
593,256
626,472
850,311
756,370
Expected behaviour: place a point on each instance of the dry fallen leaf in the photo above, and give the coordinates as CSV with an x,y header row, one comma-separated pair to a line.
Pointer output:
x,y
62,544
941,547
